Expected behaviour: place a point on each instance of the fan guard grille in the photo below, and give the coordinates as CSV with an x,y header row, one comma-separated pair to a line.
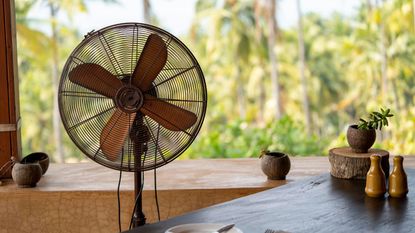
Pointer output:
x,y
117,48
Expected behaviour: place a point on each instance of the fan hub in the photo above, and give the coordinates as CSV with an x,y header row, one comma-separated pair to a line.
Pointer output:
x,y
129,99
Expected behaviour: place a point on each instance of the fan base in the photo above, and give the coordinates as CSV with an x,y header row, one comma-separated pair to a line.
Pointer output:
x,y
139,220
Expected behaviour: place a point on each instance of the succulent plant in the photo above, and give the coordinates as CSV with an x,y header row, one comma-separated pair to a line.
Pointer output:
x,y
264,151
376,120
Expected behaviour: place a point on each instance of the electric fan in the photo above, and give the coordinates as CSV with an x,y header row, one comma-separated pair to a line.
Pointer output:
x,y
132,97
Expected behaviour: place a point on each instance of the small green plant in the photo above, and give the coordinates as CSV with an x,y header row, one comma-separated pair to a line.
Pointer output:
x,y
376,120
264,151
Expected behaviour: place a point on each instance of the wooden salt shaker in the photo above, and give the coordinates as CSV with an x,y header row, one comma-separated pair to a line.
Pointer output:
x,y
375,178
398,181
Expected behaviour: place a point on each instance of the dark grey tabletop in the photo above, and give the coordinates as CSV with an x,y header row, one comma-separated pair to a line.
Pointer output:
x,y
318,204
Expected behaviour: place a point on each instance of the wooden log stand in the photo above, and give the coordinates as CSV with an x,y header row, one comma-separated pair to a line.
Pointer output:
x,y
347,164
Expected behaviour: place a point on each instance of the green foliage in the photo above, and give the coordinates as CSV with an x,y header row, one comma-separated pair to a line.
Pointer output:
x,y
353,64
376,120
241,139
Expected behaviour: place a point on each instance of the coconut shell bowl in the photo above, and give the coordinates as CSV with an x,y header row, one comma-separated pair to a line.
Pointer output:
x,y
40,157
275,165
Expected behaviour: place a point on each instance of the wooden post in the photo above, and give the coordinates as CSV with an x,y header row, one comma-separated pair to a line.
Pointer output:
x,y
9,89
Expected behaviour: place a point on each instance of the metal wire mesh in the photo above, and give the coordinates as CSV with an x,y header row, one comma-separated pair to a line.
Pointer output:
x,y
117,49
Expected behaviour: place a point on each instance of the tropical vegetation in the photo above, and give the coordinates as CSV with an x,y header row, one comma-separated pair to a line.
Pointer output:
x,y
289,89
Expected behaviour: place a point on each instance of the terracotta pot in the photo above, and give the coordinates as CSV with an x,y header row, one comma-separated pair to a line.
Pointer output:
x,y
40,157
275,165
360,140
26,175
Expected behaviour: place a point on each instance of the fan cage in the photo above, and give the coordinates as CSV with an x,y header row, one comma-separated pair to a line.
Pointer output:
x,y
117,48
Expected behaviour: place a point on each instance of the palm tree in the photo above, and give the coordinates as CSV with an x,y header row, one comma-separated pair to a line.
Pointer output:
x,y
384,57
302,67
259,13
57,130
413,13
34,106
228,35
147,11
272,27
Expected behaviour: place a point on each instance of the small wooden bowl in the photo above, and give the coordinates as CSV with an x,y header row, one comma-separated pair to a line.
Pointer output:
x,y
26,175
275,165
40,157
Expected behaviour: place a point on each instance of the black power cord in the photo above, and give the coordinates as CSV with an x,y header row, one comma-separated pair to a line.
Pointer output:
x,y
139,192
119,202
118,192
136,200
155,176
155,193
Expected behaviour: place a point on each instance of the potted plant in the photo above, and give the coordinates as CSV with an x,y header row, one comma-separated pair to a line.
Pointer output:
x,y
361,136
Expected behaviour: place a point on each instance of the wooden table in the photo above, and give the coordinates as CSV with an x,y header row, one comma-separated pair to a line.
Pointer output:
x,y
318,204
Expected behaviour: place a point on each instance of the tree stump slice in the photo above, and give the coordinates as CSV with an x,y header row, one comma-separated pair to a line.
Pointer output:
x,y
347,164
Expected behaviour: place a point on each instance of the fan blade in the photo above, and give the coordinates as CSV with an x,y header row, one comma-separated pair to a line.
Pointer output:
x,y
114,134
95,78
151,61
168,115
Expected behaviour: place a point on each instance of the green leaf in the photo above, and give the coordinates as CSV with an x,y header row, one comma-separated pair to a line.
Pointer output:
x,y
363,126
377,114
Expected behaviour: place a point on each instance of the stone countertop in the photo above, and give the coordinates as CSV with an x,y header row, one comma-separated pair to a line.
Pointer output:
x,y
177,175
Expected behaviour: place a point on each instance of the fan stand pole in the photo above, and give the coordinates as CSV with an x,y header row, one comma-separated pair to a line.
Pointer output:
x,y
140,137
139,219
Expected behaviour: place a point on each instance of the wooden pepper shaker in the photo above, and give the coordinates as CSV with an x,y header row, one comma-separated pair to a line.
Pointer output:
x,y
375,178
398,181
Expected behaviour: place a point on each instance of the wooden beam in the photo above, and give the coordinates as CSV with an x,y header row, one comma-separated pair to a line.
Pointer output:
x,y
9,94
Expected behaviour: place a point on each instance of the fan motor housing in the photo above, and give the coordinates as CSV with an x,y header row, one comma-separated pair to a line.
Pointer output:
x,y
129,99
